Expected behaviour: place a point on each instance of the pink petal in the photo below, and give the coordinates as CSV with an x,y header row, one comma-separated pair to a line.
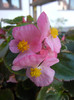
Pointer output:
x,y
49,61
44,79
57,44
28,33
63,38
43,24
16,68
49,44
28,59
53,43
12,79
13,46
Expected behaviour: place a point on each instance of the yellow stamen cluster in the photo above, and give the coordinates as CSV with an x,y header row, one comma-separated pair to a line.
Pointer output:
x,y
35,72
54,32
23,46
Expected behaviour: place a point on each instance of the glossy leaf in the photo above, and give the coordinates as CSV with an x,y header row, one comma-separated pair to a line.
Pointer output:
x,y
65,68
51,92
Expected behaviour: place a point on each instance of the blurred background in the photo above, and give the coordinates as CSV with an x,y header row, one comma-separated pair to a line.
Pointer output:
x,y
60,12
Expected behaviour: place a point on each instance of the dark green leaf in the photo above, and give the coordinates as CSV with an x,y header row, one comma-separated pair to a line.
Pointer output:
x,y
70,35
8,59
69,86
4,72
21,78
6,94
51,92
26,90
65,68
70,46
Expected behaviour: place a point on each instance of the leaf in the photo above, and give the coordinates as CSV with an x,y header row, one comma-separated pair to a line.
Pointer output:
x,y
21,78
22,24
18,19
3,49
70,46
51,92
14,21
69,86
65,68
26,90
64,47
8,59
70,35
29,19
4,72
6,94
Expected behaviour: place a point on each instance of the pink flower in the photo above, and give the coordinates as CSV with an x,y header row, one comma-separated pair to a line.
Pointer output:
x,y
25,60
23,20
37,65
26,38
2,32
48,34
42,75
63,38
12,79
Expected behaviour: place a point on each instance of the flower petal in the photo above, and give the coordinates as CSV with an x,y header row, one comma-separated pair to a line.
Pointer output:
x,y
44,79
57,44
50,61
28,59
30,34
12,79
16,68
53,43
13,46
43,24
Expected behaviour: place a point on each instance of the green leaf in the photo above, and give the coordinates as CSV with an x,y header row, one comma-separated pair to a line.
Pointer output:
x,y
14,21
70,46
51,92
8,59
26,90
22,24
64,47
70,35
65,68
6,94
4,72
21,78
69,86
29,19
3,49
18,19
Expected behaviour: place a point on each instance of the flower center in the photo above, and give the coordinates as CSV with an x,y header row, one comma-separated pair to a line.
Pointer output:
x,y
54,32
23,46
35,72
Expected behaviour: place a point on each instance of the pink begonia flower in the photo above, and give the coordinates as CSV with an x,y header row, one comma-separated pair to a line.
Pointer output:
x,y
26,38
24,60
23,20
42,75
12,79
63,38
2,32
48,34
